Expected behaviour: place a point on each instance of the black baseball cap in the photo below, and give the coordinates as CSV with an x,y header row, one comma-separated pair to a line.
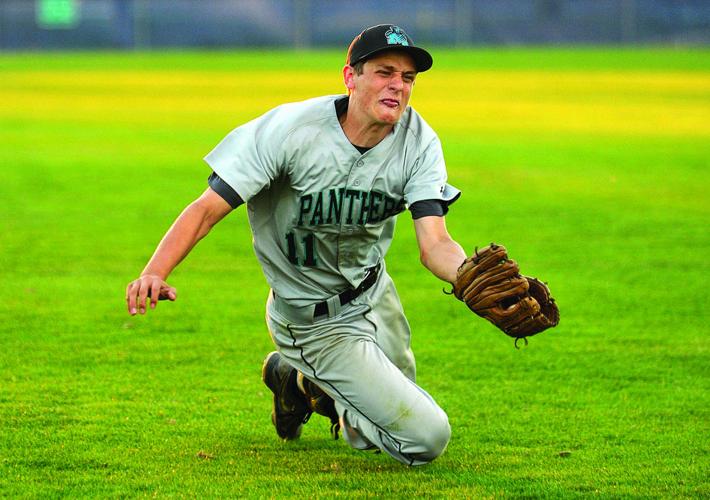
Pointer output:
x,y
376,39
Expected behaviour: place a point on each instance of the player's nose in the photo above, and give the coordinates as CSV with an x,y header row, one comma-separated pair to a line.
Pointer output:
x,y
396,81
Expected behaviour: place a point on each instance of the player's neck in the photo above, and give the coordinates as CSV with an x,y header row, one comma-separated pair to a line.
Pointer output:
x,y
362,132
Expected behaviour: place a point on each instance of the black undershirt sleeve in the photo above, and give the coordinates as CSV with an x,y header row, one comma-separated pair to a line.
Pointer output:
x,y
425,208
224,190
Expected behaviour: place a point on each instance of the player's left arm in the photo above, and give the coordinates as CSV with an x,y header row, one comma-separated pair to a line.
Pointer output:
x,y
438,252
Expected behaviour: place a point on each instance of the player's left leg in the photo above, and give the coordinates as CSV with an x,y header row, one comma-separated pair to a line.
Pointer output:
x,y
392,332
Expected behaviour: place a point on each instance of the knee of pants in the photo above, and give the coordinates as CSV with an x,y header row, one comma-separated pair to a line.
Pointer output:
x,y
433,439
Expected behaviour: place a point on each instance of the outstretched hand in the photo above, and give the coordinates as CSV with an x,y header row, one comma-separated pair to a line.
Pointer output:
x,y
146,287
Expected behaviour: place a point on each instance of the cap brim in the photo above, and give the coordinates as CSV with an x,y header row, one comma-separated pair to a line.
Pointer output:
x,y
422,59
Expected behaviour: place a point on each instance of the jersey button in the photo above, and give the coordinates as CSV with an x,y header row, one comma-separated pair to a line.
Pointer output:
x,y
357,183
360,163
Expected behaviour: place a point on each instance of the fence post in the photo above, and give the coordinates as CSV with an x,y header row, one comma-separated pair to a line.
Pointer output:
x,y
141,24
463,13
301,23
628,21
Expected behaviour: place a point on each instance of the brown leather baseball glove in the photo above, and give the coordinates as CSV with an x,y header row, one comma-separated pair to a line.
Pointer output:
x,y
491,285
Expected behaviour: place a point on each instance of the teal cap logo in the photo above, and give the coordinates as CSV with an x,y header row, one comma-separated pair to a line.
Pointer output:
x,y
395,36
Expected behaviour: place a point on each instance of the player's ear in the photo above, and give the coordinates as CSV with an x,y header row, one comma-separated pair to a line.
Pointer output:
x,y
348,77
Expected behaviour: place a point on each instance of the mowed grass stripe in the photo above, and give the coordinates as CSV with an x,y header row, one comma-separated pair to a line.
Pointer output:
x,y
645,104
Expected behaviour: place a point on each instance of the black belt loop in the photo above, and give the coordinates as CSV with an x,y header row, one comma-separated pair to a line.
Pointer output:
x,y
351,293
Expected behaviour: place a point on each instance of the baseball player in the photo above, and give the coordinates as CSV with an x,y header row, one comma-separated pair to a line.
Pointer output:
x,y
323,181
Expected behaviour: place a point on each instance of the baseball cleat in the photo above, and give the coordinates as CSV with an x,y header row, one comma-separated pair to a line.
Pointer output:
x,y
319,402
290,409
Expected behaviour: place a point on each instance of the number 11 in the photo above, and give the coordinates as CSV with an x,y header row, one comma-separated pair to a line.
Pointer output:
x,y
309,246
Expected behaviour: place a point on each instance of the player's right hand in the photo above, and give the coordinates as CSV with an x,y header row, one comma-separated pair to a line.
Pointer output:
x,y
145,287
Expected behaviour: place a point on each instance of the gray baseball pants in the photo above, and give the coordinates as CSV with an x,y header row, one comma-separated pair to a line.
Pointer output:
x,y
360,355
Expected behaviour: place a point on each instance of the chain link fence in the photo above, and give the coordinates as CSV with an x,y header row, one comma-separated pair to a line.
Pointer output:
x,y
146,24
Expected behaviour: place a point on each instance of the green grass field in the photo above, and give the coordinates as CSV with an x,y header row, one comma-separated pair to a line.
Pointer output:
x,y
590,165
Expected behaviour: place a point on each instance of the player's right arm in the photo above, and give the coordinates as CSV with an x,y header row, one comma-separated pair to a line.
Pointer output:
x,y
191,226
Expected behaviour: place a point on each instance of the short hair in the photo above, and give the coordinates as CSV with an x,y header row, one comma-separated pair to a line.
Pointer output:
x,y
359,67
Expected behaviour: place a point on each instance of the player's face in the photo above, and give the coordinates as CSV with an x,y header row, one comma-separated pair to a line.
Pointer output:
x,y
384,88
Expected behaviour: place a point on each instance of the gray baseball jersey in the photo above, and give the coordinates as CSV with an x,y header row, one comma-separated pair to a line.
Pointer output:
x,y
321,213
